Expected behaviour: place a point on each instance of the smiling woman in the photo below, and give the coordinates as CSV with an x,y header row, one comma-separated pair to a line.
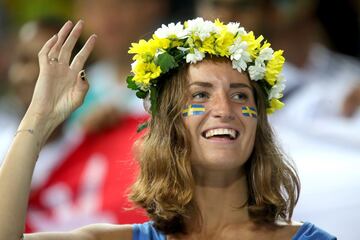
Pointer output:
x,y
179,154
209,164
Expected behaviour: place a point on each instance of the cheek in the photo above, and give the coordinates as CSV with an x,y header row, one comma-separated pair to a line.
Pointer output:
x,y
191,124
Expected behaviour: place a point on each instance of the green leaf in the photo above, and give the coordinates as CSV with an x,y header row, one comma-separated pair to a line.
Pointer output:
x,y
130,83
141,94
142,126
153,100
178,55
166,62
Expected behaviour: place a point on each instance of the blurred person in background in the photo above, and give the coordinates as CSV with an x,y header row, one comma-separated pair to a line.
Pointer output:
x,y
320,125
321,130
5,46
247,12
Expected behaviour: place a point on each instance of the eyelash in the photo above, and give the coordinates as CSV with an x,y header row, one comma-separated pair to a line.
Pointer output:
x,y
195,95
242,96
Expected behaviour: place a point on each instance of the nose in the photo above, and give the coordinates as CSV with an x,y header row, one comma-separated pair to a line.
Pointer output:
x,y
221,108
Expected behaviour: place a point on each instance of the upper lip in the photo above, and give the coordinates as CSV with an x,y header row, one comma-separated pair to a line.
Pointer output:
x,y
219,127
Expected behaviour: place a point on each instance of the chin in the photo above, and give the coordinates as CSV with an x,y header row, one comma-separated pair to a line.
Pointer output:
x,y
219,162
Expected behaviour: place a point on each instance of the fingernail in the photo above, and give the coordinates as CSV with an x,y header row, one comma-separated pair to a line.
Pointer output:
x,y
83,75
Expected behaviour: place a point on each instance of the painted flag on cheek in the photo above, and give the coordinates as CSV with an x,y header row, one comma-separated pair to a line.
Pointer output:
x,y
193,109
249,111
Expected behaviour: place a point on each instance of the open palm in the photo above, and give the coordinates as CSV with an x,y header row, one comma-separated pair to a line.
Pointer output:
x,y
60,88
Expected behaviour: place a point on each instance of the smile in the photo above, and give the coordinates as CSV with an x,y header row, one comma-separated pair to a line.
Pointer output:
x,y
221,133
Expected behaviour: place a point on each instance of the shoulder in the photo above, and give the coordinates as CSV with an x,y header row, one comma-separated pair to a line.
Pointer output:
x,y
146,231
309,231
106,231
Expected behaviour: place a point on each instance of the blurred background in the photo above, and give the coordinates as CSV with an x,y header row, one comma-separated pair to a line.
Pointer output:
x,y
85,169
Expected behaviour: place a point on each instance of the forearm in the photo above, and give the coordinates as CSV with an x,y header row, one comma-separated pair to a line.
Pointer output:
x,y
15,176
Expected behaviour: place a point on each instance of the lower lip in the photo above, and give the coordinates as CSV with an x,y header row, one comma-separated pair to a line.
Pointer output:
x,y
220,140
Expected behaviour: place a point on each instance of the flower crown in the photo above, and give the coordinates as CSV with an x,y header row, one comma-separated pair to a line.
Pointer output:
x,y
177,44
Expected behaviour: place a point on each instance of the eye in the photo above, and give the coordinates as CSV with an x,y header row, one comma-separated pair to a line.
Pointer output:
x,y
200,96
240,97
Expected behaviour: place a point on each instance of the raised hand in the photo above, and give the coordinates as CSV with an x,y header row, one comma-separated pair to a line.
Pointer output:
x,y
61,86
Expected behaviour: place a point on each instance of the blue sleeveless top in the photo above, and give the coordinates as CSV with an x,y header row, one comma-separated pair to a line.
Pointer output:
x,y
307,231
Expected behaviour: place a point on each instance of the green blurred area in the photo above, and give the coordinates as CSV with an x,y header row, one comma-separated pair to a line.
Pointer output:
x,y
21,11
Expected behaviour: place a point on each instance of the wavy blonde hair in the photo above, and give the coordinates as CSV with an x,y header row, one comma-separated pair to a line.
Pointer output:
x,y
165,185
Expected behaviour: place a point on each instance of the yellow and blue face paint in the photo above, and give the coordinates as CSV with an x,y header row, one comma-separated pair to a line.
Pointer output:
x,y
193,109
249,111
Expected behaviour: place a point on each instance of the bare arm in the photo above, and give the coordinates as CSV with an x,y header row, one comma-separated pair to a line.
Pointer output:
x,y
59,91
90,232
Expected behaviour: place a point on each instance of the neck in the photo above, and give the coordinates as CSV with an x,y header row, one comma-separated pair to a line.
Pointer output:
x,y
221,198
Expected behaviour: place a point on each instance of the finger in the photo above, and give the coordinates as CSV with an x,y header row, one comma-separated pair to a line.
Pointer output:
x,y
62,34
43,53
81,88
80,58
66,49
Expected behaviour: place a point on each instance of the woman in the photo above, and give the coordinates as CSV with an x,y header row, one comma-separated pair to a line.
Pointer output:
x,y
210,168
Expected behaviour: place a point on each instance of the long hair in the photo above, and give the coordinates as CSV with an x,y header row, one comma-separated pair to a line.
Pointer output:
x,y
165,185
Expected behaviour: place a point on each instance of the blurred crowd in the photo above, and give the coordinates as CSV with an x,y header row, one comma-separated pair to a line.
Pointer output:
x,y
78,178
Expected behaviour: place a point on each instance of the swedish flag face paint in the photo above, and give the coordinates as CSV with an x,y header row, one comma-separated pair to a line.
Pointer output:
x,y
193,109
249,111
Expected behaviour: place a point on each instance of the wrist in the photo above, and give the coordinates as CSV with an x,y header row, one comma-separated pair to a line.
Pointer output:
x,y
40,126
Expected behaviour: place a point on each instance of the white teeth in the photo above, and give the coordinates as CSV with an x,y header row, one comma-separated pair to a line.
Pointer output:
x,y
221,131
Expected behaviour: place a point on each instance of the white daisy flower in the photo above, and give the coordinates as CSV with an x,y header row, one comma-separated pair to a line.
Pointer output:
x,y
171,30
239,65
257,71
201,28
277,90
239,56
235,28
195,57
237,49
265,54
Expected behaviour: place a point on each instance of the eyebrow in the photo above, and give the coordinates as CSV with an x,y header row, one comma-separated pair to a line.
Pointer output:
x,y
209,85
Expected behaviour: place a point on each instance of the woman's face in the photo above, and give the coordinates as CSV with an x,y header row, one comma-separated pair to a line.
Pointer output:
x,y
222,138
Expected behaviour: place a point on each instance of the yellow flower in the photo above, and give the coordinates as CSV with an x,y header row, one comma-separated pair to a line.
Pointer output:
x,y
144,72
275,104
218,44
223,41
265,45
207,45
274,67
145,50
159,43
253,44
219,24
139,48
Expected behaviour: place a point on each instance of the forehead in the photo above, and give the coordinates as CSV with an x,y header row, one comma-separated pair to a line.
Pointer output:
x,y
216,72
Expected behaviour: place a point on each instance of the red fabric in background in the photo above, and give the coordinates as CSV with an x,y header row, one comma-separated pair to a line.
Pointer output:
x,y
103,162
